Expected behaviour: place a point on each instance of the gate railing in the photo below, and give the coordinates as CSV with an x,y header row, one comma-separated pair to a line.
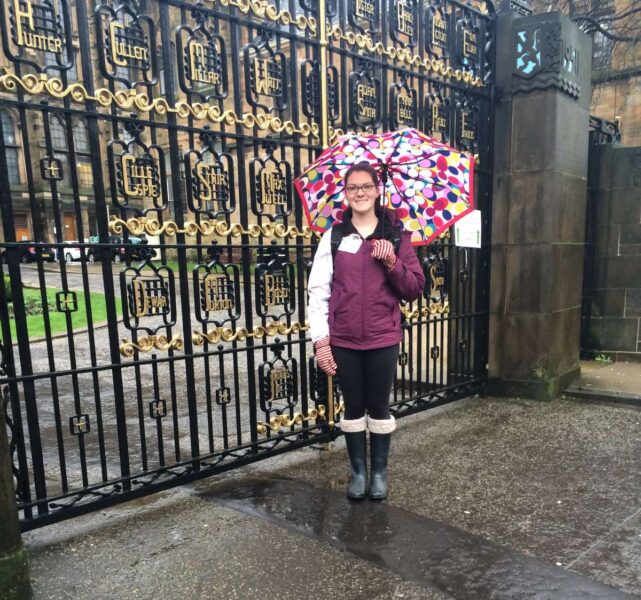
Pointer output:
x,y
153,326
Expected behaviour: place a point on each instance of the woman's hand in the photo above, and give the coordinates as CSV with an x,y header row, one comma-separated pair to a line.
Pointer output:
x,y
383,250
324,356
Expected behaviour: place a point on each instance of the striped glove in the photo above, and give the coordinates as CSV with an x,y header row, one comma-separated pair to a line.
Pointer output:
x,y
383,250
324,356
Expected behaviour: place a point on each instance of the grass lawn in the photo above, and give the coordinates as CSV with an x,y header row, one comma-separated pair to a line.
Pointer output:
x,y
173,265
58,320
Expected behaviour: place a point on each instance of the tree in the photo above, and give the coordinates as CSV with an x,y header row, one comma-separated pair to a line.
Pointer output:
x,y
614,24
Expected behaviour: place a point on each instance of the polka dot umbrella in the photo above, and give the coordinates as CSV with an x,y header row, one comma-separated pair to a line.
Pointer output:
x,y
427,183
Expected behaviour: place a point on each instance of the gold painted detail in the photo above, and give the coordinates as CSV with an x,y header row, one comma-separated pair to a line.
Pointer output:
x,y
433,308
403,55
150,343
279,421
122,51
131,99
227,334
276,289
404,109
263,9
273,188
27,30
153,227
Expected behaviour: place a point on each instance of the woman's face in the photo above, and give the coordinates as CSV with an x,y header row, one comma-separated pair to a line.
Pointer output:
x,y
361,193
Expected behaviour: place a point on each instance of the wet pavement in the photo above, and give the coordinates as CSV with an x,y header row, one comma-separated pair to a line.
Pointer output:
x,y
417,548
489,498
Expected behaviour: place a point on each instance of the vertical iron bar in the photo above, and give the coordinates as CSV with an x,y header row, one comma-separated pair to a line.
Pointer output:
x,y
103,233
174,152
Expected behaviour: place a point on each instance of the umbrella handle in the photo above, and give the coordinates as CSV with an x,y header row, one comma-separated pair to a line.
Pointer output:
x,y
384,181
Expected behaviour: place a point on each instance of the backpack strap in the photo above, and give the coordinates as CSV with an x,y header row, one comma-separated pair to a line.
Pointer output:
x,y
395,238
337,237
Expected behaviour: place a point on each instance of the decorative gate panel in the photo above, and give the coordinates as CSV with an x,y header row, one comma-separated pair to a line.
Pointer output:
x,y
153,323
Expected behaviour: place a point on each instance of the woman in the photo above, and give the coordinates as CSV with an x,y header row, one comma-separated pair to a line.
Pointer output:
x,y
355,321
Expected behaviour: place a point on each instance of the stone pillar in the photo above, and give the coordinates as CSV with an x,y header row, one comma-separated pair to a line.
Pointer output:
x,y
538,210
14,570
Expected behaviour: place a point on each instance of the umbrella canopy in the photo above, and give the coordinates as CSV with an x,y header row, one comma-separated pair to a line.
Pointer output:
x,y
427,183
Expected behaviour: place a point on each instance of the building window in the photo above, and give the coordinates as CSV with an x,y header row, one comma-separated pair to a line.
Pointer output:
x,y
83,156
602,7
11,149
59,145
601,51
58,137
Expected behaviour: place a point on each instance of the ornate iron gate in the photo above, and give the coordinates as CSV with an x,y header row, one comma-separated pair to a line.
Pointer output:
x,y
153,317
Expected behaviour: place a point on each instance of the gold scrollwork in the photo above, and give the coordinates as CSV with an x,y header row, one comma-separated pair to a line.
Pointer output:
x,y
153,227
404,55
131,99
433,308
278,421
148,344
227,334
265,10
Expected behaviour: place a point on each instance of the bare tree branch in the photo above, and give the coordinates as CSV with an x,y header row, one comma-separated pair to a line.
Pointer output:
x,y
590,25
623,15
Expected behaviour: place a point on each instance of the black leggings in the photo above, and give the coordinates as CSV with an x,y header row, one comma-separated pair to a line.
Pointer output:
x,y
366,378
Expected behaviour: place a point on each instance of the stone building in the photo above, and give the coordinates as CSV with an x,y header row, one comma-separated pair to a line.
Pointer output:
x,y
616,68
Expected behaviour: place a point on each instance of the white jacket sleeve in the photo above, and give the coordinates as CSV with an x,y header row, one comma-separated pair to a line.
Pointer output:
x,y
319,289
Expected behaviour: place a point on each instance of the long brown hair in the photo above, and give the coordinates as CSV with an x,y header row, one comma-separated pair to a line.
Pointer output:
x,y
363,167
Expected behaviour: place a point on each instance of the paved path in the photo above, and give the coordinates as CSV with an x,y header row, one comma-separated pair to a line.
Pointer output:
x,y
416,548
617,382
549,490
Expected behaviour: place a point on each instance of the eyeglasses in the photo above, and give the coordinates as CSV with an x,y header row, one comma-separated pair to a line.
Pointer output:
x,y
352,190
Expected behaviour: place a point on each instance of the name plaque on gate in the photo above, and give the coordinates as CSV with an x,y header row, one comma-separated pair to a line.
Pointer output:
x,y
405,20
437,116
217,293
149,296
280,383
470,44
466,133
405,110
276,288
138,177
127,44
364,9
273,188
204,63
366,104
365,99
438,297
267,77
34,31
212,183
439,35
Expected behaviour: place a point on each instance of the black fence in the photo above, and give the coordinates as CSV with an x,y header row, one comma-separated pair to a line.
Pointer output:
x,y
153,323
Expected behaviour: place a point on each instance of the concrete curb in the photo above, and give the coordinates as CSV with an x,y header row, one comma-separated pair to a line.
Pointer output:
x,y
604,396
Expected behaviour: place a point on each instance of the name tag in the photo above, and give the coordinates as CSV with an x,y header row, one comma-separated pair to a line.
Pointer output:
x,y
351,244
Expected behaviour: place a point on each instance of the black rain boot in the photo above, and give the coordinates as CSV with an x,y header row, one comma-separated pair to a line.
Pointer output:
x,y
356,441
380,434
